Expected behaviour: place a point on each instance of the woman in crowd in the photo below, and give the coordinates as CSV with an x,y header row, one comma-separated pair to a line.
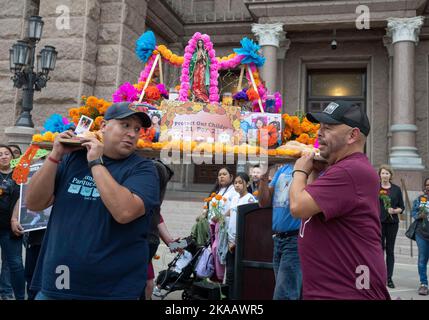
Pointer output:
x,y
216,211
391,204
9,243
420,211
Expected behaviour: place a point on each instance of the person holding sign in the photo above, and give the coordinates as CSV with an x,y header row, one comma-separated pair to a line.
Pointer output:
x,y
102,198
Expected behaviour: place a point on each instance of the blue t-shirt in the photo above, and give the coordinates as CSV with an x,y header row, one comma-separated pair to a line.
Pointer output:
x,y
103,258
282,219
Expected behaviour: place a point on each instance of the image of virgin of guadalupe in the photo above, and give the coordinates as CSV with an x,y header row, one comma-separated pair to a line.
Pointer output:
x,y
199,74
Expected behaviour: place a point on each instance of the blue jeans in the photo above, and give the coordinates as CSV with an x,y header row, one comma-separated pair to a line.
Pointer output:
x,y
5,286
31,256
12,248
287,269
423,246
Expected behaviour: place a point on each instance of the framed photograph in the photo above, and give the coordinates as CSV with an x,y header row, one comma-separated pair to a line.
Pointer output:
x,y
252,122
83,125
32,220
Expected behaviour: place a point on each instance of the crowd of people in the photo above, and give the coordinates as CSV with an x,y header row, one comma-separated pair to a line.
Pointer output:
x,y
331,220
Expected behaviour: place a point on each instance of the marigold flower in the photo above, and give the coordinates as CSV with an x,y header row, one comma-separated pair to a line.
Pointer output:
x,y
218,197
98,120
37,138
252,94
303,138
91,101
48,136
152,92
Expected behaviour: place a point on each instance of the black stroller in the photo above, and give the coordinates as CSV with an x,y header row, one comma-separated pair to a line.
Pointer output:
x,y
171,280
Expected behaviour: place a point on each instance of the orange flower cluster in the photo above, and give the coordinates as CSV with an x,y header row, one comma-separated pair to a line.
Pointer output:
x,y
152,93
46,137
147,134
168,55
252,94
93,108
299,129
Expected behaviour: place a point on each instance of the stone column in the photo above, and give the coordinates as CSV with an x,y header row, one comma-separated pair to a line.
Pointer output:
x,y
269,36
403,151
281,55
121,23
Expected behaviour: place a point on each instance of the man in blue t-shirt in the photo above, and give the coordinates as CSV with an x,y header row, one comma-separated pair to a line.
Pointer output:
x,y
287,269
102,198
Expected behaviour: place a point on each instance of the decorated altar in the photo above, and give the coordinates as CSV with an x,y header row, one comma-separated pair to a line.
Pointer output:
x,y
192,117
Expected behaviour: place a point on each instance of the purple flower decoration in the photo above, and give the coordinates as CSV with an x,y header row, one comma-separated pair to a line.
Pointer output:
x,y
126,92
241,95
163,90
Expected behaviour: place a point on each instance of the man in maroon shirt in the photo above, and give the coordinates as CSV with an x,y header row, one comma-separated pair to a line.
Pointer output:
x,y
339,241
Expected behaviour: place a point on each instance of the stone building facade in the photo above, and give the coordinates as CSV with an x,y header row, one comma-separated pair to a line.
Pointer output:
x,y
390,59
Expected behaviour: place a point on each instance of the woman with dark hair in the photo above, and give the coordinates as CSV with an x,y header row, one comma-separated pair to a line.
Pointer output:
x,y
391,204
6,291
241,184
421,211
16,150
219,204
9,244
259,123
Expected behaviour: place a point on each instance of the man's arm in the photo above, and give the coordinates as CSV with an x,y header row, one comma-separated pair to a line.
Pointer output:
x,y
40,192
302,204
122,204
265,192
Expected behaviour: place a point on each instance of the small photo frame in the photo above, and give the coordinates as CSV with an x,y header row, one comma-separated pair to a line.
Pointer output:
x,y
83,125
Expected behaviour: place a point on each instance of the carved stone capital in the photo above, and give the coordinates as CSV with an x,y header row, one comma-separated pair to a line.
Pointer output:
x,y
269,34
404,29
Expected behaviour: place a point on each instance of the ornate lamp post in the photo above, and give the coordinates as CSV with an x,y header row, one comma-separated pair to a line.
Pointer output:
x,y
22,60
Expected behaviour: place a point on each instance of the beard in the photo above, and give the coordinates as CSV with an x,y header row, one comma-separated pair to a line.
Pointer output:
x,y
331,148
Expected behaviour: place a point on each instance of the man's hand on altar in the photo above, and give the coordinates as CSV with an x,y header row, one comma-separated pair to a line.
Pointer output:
x,y
60,149
305,163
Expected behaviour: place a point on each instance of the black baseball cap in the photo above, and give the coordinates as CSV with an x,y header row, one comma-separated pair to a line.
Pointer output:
x,y
122,110
342,112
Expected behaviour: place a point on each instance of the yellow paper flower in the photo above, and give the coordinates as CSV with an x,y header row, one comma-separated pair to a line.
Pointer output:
x,y
236,124
197,107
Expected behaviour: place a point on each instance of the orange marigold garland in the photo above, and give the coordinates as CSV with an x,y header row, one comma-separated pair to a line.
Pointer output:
x,y
22,170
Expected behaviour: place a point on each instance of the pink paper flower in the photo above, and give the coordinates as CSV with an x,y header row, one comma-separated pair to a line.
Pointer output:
x,y
126,92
